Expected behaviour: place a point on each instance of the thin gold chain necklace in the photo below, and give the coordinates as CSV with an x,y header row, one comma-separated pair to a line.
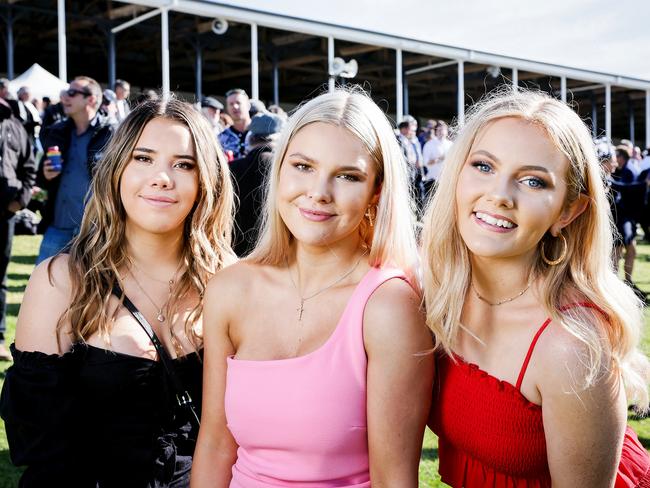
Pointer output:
x,y
500,302
303,299
160,317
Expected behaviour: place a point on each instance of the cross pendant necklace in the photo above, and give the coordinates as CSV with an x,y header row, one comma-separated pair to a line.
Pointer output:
x,y
303,299
301,309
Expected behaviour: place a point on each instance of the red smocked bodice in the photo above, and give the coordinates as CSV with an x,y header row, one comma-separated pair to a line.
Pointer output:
x,y
490,435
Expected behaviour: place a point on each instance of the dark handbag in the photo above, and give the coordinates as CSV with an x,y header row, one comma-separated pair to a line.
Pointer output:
x,y
182,395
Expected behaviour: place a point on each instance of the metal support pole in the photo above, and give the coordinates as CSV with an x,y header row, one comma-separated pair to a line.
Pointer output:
x,y
276,82
608,111
63,63
647,118
563,88
111,60
10,44
460,100
255,81
630,111
330,59
399,91
405,88
164,34
594,116
515,78
198,71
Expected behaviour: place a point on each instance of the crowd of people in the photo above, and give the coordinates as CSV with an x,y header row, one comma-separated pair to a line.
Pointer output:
x,y
228,296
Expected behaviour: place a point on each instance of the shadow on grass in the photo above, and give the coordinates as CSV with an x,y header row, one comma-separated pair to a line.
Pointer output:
x,y
16,289
9,474
12,309
429,454
23,259
645,442
18,276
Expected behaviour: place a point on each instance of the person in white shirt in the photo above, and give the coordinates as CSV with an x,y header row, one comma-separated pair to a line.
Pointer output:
x,y
122,92
434,152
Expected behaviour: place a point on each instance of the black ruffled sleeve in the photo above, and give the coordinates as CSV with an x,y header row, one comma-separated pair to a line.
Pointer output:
x,y
37,404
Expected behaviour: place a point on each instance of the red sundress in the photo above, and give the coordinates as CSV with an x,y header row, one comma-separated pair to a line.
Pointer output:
x,y
490,435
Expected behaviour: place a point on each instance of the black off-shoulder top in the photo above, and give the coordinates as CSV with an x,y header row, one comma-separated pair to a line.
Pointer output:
x,y
97,418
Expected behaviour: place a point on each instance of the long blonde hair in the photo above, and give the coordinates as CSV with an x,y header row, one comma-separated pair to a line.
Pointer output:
x,y
392,238
586,274
100,249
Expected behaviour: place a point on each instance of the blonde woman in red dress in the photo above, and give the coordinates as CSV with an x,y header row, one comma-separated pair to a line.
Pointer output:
x,y
536,335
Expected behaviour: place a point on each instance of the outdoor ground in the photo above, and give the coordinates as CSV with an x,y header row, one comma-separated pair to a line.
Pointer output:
x,y
22,261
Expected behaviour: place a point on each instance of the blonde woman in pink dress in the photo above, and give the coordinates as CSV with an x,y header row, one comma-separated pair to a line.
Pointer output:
x,y
317,371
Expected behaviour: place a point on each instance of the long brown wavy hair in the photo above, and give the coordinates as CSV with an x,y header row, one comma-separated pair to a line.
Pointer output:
x,y
100,249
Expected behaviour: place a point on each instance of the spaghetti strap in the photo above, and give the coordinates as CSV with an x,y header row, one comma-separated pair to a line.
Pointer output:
x,y
524,366
563,308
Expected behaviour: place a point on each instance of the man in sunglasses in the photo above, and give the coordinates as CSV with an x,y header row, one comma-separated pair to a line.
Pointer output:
x,y
80,139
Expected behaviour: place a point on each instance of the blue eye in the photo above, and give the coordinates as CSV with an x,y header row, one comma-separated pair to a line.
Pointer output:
x,y
534,182
482,166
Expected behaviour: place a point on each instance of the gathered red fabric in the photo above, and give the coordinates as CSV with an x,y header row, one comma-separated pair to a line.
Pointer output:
x,y
490,435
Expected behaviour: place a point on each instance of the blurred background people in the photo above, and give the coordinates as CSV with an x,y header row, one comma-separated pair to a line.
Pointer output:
x,y
234,137
122,92
249,174
17,176
81,139
211,109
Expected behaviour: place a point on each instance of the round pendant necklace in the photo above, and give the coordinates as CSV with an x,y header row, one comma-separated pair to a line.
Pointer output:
x,y
160,316
500,302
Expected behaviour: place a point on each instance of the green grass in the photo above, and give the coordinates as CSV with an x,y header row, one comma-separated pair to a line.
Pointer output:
x,y
24,254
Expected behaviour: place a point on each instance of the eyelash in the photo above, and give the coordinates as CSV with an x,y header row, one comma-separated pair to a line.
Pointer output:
x,y
346,177
539,183
187,165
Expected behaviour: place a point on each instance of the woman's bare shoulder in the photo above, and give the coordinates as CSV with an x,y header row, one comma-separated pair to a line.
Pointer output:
x,y
46,299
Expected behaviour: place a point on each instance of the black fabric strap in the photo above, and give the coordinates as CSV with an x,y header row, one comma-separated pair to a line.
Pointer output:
x,y
182,396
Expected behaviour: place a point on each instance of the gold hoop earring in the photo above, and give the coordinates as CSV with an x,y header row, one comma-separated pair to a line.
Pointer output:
x,y
368,215
555,262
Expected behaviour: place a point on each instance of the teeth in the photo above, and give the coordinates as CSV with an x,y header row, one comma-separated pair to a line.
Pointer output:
x,y
492,221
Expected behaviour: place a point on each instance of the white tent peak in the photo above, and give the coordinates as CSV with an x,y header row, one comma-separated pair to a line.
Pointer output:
x,y
40,81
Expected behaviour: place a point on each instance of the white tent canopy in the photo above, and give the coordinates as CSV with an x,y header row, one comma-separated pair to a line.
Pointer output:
x,y
40,81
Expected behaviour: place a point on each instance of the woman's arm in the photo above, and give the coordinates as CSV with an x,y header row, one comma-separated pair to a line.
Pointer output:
x,y
216,450
400,377
46,298
37,401
583,426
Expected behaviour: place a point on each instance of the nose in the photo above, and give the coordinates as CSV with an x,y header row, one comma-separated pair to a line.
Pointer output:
x,y
320,191
501,192
162,178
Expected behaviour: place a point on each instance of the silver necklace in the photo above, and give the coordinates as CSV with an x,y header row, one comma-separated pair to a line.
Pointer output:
x,y
500,302
303,299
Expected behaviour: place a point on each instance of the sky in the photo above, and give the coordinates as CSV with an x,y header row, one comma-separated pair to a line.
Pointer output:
x,y
601,35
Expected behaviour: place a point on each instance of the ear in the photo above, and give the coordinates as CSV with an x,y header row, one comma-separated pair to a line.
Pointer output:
x,y
375,198
570,213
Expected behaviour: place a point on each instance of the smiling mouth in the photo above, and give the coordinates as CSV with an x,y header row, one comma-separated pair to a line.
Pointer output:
x,y
316,215
159,201
492,221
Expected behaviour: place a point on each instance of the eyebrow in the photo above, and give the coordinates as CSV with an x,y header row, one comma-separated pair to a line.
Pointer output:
x,y
153,151
527,167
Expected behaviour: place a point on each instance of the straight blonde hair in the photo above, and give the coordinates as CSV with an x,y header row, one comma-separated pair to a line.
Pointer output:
x,y
586,274
392,238
100,249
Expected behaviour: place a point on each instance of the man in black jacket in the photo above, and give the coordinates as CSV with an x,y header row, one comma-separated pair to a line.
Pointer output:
x,y
249,174
16,180
81,139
